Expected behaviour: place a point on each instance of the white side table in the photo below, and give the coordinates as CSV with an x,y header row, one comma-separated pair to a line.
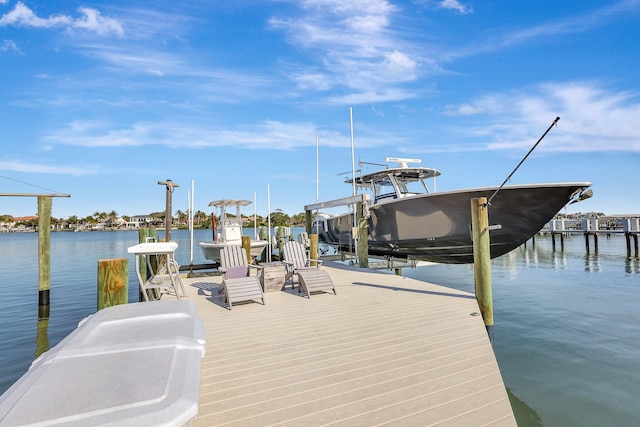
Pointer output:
x,y
166,278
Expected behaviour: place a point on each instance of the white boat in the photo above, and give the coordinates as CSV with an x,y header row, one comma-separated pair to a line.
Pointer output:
x,y
229,231
407,220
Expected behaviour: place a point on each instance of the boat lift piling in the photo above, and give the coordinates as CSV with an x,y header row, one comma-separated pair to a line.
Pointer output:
x,y
44,248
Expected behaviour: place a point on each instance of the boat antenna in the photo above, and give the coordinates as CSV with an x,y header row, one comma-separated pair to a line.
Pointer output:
x,y
555,122
375,164
317,171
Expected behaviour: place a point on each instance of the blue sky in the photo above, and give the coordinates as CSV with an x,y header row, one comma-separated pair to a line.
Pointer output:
x,y
101,100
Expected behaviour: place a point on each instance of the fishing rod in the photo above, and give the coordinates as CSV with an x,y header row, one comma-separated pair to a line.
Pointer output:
x,y
555,122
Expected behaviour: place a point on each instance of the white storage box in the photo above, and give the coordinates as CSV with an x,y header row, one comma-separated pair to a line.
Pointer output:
x,y
134,364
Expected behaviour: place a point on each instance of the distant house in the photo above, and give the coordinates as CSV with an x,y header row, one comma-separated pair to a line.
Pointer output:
x,y
138,221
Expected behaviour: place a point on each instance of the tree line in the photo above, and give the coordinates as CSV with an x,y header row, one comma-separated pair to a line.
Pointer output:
x,y
180,219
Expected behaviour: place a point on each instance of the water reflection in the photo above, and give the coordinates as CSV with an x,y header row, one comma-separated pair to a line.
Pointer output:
x,y
42,337
592,262
632,265
525,415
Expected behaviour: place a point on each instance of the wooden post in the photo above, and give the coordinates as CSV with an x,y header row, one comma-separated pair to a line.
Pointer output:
x,y
167,213
44,255
146,234
363,237
113,282
262,233
246,245
143,234
307,222
482,261
281,237
313,246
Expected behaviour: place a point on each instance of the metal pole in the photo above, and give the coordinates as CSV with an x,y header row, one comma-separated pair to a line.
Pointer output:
x,y
525,158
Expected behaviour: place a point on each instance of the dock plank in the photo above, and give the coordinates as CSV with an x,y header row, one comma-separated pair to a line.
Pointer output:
x,y
384,350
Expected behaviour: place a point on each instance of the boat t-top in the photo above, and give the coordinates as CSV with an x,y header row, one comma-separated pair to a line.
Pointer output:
x,y
229,231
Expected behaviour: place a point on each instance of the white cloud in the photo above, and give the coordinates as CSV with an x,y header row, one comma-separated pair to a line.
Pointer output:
x,y
455,5
22,16
549,31
592,119
10,45
354,47
19,166
91,20
268,134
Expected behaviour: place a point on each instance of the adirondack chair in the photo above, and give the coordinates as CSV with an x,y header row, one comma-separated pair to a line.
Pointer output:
x,y
310,277
238,284
295,255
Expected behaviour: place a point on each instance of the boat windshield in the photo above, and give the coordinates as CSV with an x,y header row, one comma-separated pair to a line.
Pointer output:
x,y
411,186
395,186
383,189
230,220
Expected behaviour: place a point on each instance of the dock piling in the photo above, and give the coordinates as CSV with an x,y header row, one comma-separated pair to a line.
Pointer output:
x,y
363,237
113,282
44,255
482,261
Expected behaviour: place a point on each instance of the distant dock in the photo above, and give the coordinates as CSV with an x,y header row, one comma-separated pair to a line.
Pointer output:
x,y
384,350
593,227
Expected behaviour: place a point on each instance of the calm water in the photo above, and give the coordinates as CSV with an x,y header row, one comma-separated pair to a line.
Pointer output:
x,y
567,322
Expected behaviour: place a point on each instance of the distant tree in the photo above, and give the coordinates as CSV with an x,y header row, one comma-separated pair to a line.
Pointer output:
x,y
279,218
298,220
113,217
182,217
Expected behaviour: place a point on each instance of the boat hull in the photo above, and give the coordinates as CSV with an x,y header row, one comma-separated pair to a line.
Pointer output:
x,y
211,250
437,226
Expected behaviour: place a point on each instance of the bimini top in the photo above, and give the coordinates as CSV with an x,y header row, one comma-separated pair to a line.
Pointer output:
x,y
402,172
223,203
396,182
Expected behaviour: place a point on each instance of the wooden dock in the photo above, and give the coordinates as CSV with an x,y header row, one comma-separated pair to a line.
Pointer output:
x,y
386,350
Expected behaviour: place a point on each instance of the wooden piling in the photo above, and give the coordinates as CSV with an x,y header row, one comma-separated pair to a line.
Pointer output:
x,y
168,209
113,282
363,237
280,233
246,245
308,221
482,261
146,234
313,246
44,255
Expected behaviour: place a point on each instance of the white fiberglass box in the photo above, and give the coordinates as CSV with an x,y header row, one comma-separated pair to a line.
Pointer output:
x,y
133,364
